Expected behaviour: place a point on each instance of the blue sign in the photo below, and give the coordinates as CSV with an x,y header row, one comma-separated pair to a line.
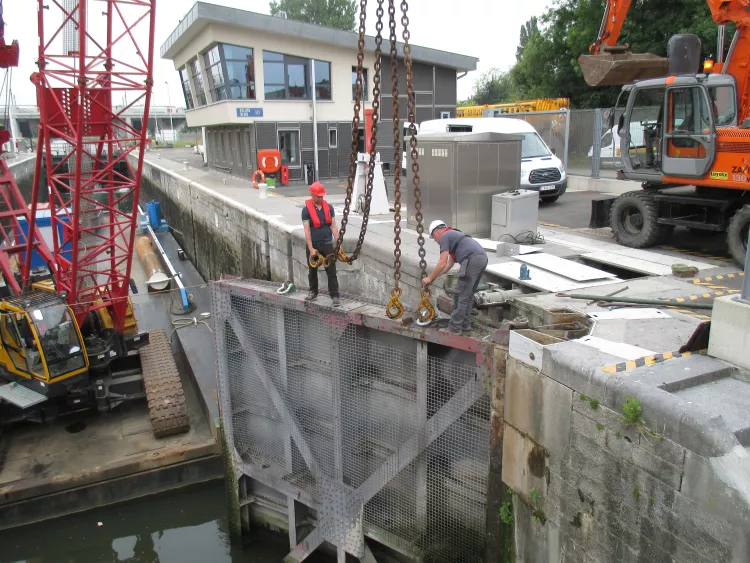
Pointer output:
x,y
249,112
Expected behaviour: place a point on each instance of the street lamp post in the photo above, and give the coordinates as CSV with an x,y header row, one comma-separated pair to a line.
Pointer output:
x,y
169,109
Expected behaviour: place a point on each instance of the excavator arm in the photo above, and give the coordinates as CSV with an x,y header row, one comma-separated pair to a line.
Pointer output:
x,y
615,13
612,64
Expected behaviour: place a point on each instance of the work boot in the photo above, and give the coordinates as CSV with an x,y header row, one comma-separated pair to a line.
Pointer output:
x,y
449,330
336,301
311,296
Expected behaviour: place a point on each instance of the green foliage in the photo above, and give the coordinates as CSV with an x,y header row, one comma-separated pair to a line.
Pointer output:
x,y
534,494
492,87
593,403
506,513
600,427
339,14
549,47
632,412
636,494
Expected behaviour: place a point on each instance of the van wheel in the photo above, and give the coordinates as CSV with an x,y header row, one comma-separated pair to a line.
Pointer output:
x,y
550,199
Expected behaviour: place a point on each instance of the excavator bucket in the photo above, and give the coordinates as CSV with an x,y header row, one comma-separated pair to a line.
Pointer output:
x,y
613,69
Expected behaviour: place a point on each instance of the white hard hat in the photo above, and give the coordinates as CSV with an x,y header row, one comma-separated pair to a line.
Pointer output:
x,y
435,224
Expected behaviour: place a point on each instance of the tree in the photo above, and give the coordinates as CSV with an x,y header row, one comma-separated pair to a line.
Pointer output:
x,y
528,30
492,87
339,14
548,59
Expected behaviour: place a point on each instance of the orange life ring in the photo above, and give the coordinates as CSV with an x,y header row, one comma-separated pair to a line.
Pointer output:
x,y
262,178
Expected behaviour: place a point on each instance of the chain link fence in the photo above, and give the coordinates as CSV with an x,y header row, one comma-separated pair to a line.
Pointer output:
x,y
383,433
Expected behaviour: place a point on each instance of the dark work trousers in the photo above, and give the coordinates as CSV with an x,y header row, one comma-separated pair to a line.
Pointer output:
x,y
326,249
471,272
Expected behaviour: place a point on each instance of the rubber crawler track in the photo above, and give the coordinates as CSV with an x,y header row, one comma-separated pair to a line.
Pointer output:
x,y
166,398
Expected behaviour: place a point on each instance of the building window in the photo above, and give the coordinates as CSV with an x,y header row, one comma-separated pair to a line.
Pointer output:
x,y
445,115
364,83
195,74
215,74
333,138
185,81
240,65
288,78
289,148
322,80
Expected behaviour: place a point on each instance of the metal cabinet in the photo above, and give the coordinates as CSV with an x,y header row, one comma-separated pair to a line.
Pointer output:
x,y
459,174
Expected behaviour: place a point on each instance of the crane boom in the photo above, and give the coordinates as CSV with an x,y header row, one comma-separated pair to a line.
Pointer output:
x,y
87,141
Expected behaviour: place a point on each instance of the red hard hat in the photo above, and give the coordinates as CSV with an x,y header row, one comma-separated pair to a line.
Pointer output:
x,y
317,189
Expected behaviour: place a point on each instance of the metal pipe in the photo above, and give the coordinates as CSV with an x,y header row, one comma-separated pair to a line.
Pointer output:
x,y
720,44
156,278
498,296
314,119
745,295
657,302
732,46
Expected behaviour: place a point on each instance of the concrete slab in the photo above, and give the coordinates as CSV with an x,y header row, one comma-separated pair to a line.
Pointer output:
x,y
730,332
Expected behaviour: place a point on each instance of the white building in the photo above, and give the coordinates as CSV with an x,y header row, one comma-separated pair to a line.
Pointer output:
x,y
248,78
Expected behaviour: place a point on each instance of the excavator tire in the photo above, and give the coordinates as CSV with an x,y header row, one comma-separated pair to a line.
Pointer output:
x,y
737,234
164,393
633,219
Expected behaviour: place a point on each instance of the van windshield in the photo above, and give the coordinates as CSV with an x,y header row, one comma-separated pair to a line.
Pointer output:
x,y
533,146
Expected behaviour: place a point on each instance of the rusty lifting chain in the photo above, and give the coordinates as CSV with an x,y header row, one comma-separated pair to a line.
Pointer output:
x,y
394,310
338,252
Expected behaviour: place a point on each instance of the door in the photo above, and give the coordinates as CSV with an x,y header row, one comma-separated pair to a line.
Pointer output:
x,y
689,143
640,129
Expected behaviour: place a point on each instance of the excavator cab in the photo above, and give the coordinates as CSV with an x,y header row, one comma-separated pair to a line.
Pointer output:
x,y
669,125
40,342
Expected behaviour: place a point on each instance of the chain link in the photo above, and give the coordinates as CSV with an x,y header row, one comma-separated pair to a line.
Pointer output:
x,y
425,311
394,309
355,127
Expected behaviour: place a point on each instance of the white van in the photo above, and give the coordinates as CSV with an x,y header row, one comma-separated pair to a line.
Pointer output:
x,y
541,170
610,150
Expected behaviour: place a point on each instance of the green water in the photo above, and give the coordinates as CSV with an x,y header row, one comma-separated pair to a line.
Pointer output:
x,y
189,526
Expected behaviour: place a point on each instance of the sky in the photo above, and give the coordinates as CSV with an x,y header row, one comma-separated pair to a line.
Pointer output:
x,y
485,29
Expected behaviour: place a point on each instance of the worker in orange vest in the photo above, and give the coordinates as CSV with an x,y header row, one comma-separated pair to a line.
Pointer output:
x,y
320,231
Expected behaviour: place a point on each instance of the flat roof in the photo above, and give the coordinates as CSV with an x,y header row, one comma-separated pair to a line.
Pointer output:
x,y
201,15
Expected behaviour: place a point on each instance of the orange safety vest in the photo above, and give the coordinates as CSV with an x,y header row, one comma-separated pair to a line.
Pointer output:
x,y
311,209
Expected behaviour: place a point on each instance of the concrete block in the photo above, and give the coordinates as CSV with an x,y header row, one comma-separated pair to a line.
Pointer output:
x,y
611,440
538,407
666,449
711,536
656,466
578,366
606,417
536,542
721,485
730,331
524,463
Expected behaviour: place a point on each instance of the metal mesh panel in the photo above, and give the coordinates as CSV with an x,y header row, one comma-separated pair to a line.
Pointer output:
x,y
580,142
357,417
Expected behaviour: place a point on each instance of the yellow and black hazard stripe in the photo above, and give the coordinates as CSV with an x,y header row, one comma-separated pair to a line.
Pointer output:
x,y
698,296
646,361
715,282
697,254
691,313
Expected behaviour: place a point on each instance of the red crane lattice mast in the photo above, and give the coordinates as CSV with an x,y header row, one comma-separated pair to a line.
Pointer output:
x,y
85,60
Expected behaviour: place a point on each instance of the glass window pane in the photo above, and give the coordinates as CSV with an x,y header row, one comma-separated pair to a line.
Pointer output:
x,y
297,80
235,52
274,91
364,83
238,72
289,147
272,57
723,100
273,73
323,80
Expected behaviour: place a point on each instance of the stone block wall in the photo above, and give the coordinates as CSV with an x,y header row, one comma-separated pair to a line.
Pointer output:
x,y
590,488
221,236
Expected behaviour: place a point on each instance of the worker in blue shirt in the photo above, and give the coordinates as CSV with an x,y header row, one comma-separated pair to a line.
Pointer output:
x,y
458,248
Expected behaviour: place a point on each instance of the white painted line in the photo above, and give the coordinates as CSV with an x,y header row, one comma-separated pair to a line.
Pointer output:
x,y
619,349
630,314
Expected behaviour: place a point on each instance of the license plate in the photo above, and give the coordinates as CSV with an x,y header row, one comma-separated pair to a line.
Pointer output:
x,y
546,188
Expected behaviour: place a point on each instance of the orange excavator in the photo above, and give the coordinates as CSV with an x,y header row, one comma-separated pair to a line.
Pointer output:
x,y
683,129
